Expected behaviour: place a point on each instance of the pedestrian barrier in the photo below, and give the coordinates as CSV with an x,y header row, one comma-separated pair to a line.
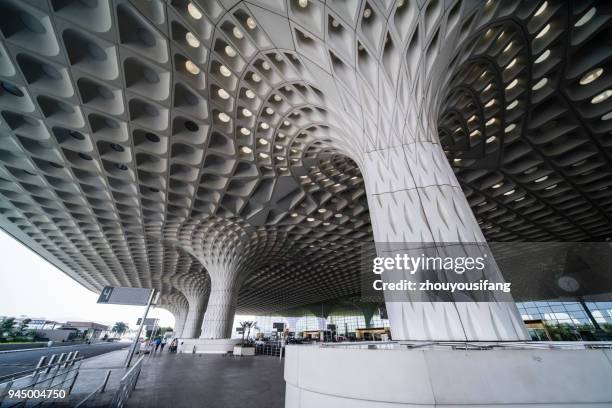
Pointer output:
x,y
95,392
51,380
127,385
276,349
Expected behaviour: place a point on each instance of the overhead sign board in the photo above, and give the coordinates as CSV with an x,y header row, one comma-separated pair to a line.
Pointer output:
x,y
147,322
124,296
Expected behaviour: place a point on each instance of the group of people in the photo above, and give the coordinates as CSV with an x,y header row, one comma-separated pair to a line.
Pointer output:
x,y
158,344
173,346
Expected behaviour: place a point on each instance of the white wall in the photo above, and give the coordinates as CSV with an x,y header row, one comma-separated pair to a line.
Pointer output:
x,y
343,377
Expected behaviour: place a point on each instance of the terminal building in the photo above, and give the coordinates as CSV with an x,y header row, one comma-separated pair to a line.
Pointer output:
x,y
246,156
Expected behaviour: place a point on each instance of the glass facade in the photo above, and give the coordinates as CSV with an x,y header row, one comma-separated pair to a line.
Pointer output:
x,y
346,324
566,312
553,314
557,320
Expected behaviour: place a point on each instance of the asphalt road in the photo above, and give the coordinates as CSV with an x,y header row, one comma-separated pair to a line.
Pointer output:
x,y
24,360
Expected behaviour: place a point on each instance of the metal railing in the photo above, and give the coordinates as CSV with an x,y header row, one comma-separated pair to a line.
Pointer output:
x,y
275,349
50,381
554,345
362,344
474,345
95,392
127,384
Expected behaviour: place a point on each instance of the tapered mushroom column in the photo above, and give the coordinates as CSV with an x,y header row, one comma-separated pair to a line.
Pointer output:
x,y
193,321
176,304
219,315
368,311
195,288
228,249
180,315
414,197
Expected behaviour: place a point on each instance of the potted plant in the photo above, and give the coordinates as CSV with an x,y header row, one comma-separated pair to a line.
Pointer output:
x,y
246,346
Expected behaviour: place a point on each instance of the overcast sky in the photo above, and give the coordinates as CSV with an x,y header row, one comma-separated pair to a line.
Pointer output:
x,y
31,286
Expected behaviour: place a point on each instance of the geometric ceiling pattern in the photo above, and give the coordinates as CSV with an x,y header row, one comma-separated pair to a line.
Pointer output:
x,y
157,143
527,123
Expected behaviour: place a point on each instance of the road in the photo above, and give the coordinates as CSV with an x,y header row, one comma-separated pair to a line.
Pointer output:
x,y
24,360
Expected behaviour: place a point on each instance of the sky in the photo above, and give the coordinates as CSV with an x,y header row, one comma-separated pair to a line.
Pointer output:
x,y
31,286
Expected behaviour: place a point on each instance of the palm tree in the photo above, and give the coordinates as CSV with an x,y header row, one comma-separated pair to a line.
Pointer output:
x,y
249,325
243,325
120,328
246,325
7,324
21,330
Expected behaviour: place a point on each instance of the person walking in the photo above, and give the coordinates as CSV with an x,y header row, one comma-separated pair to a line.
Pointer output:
x,y
163,344
157,344
173,346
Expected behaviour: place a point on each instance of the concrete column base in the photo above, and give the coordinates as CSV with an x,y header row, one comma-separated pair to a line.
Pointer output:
x,y
320,377
213,346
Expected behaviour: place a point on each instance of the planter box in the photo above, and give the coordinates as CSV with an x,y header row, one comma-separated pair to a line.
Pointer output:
x,y
244,351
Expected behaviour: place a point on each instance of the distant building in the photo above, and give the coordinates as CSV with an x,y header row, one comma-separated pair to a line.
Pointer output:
x,y
35,323
42,324
89,330
57,331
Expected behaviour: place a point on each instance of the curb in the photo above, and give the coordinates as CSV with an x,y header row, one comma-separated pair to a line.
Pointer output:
x,y
42,348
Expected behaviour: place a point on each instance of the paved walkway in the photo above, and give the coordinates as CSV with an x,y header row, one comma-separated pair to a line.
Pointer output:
x,y
91,375
209,380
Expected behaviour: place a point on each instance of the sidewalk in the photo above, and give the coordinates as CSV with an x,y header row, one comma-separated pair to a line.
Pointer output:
x,y
91,375
186,380
209,380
